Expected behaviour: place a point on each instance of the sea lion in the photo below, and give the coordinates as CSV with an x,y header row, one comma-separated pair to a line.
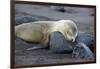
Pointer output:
x,y
39,31
81,51
58,44
87,38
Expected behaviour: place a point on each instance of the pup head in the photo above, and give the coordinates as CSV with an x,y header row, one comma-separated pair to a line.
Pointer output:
x,y
79,50
69,30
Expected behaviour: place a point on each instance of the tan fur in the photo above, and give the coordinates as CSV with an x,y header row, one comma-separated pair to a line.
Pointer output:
x,y
39,31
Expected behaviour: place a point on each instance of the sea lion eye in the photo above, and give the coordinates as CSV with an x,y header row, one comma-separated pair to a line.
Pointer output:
x,y
69,33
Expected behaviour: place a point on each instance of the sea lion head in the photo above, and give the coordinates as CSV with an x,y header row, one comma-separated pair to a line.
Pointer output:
x,y
69,30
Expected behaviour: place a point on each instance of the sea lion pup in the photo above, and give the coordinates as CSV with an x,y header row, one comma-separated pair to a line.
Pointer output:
x,y
58,44
87,38
39,31
81,51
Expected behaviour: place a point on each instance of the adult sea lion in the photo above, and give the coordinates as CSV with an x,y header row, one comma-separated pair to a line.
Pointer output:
x,y
39,31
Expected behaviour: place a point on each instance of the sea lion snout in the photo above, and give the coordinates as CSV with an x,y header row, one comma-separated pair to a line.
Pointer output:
x,y
73,40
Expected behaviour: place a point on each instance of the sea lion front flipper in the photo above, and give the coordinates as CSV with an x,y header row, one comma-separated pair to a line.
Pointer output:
x,y
39,46
34,48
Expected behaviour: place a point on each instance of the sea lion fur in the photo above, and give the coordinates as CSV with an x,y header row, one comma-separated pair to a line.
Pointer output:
x,y
39,31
